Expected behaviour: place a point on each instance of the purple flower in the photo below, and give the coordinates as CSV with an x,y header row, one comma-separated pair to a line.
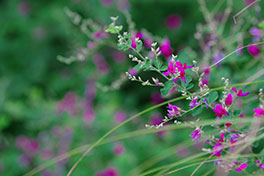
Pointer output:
x,y
220,111
88,114
101,65
205,102
123,5
173,110
148,42
107,2
242,167
229,99
173,21
196,134
194,103
119,56
165,48
259,112
25,160
120,116
217,57
254,50
256,32
90,45
21,142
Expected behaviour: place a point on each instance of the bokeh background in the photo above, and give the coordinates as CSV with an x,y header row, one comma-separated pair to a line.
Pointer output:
x,y
49,106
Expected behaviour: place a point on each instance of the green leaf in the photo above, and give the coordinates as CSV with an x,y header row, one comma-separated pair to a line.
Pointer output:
x,y
120,47
139,46
137,67
157,63
236,112
261,25
213,96
197,111
118,28
113,29
168,85
127,36
190,86
188,80
164,68
147,64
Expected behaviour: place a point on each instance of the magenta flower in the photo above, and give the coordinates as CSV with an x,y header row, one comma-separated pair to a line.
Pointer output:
x,y
220,111
108,172
173,110
171,69
90,45
24,8
156,98
194,103
240,92
242,167
100,34
32,146
217,149
165,48
259,112
181,69
139,35
119,149
229,99
132,71
228,125
68,104
196,134
46,154
207,71
133,44
173,21
254,50
247,2
157,119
